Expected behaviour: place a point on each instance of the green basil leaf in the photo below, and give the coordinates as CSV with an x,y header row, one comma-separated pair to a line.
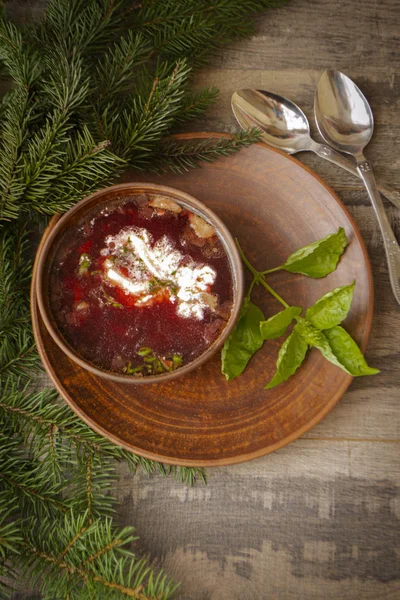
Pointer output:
x,y
276,325
243,342
320,258
290,357
332,308
317,339
347,352
337,346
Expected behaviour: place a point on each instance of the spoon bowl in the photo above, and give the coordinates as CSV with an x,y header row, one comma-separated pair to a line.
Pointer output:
x,y
282,122
342,112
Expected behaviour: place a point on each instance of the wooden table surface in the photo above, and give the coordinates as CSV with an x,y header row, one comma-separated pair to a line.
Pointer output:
x,y
319,519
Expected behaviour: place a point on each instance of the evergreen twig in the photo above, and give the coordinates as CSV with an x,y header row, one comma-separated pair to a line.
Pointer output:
x,y
182,155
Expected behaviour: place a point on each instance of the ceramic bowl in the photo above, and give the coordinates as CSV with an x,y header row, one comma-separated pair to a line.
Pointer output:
x,y
116,194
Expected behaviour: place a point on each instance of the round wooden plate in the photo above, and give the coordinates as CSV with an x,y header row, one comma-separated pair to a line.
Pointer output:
x,y
274,205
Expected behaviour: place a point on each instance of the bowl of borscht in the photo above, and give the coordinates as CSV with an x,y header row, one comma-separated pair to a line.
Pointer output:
x,y
139,283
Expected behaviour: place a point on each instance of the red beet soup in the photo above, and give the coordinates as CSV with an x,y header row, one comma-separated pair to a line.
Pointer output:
x,y
141,287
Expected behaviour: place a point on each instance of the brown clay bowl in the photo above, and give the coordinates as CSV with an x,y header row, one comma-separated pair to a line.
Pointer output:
x,y
114,195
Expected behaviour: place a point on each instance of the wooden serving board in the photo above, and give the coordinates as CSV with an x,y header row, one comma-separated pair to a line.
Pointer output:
x,y
274,205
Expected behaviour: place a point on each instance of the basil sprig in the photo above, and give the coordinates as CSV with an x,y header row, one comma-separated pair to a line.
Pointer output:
x,y
320,327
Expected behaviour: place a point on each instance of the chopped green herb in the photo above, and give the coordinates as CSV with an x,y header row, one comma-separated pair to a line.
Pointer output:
x,y
176,360
149,359
110,300
144,351
154,284
84,264
129,370
153,364
157,367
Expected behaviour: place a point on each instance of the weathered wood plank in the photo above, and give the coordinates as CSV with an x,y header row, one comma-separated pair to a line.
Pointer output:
x,y
302,34
314,520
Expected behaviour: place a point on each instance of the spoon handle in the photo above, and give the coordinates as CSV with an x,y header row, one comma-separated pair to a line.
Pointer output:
x,y
390,243
325,151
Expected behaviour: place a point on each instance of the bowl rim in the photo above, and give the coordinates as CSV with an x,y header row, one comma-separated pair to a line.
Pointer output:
x,y
203,210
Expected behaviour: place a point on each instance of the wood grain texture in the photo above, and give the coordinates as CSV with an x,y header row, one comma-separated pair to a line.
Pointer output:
x,y
319,519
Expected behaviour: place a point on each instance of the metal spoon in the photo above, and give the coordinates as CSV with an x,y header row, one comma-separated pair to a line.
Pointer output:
x,y
345,120
285,126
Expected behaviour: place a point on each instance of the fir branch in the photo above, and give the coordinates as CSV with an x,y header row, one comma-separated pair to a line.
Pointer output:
x,y
14,132
15,268
195,28
28,482
17,350
66,89
89,488
187,475
147,117
118,69
84,25
86,166
182,155
44,486
20,58
196,103
182,37
88,561
10,540
65,82
18,353
34,414
10,534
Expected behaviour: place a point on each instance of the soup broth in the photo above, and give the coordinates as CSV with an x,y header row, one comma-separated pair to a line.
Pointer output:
x,y
141,288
